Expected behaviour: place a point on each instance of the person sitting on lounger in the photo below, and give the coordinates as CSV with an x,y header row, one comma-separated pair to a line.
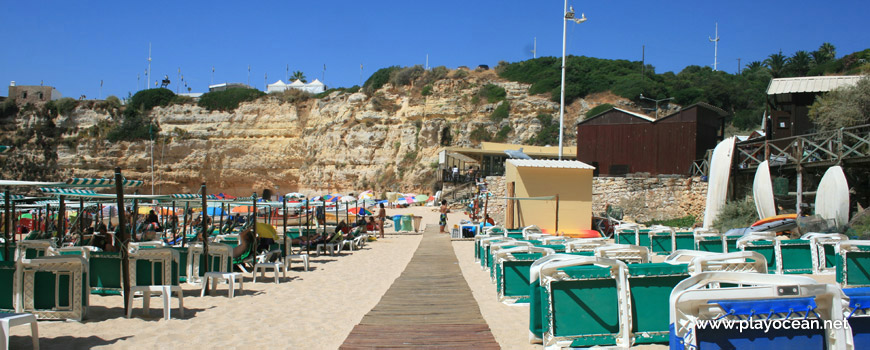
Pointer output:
x,y
103,240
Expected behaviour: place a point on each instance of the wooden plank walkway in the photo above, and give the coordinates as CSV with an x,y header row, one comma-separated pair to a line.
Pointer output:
x,y
428,306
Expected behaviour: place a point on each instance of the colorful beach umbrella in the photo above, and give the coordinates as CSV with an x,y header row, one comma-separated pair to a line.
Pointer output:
x,y
359,211
144,210
421,198
243,209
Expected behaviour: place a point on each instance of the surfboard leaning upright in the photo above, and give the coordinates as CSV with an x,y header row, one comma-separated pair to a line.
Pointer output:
x,y
832,196
717,180
762,192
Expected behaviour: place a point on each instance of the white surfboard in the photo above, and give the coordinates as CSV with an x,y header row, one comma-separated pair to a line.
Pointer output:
x,y
832,196
717,180
762,192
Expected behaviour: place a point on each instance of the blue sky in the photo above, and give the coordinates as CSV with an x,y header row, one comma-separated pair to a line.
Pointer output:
x,y
74,45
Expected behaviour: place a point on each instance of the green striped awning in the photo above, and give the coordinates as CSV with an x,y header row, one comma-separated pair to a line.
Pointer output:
x,y
4,149
86,182
12,197
66,191
192,196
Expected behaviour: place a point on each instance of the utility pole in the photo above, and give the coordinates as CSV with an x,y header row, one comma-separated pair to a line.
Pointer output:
x,y
323,76
360,74
715,48
148,76
212,75
427,61
738,65
249,75
642,63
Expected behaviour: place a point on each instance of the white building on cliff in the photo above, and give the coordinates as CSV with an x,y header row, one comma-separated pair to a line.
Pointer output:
x,y
314,87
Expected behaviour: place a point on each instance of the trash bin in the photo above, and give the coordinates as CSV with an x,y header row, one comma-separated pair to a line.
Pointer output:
x,y
407,223
417,221
469,231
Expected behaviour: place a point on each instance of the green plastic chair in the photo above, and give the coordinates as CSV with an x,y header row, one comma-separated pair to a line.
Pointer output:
x,y
650,288
853,264
54,287
512,271
105,273
585,303
763,243
794,256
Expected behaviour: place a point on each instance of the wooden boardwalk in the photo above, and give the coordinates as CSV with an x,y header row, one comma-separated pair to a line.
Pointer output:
x,y
428,306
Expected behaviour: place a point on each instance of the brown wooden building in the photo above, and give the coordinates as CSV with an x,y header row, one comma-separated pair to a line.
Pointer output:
x,y
618,142
789,101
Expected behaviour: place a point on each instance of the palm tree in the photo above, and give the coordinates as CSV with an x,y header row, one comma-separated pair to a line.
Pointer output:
x,y
298,75
752,66
799,64
775,63
828,51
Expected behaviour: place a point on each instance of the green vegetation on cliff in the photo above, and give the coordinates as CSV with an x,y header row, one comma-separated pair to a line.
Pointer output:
x,y
229,99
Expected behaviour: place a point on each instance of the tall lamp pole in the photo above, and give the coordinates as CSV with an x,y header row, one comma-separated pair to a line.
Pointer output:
x,y
642,97
569,16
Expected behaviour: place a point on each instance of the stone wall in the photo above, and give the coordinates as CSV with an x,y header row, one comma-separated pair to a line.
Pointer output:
x,y
641,198
496,207
651,198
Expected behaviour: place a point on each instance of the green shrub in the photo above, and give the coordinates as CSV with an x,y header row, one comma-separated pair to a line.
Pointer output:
x,y
378,79
493,93
480,134
549,133
686,221
150,98
407,75
350,90
736,214
501,112
181,100
229,99
459,74
598,109
435,74
8,109
133,127
63,106
113,102
295,95
427,90
502,134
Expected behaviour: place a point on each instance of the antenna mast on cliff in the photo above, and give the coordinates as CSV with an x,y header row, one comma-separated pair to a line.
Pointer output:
x,y
535,48
715,47
148,78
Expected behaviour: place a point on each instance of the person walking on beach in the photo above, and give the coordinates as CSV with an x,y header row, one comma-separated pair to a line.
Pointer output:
x,y
442,221
382,216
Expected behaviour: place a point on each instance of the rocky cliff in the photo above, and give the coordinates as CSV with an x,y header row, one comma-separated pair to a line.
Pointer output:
x,y
342,142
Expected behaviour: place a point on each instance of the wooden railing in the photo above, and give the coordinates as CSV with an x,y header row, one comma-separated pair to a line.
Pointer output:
x,y
832,147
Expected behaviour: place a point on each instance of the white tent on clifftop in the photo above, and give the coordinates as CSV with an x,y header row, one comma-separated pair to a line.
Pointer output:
x,y
314,87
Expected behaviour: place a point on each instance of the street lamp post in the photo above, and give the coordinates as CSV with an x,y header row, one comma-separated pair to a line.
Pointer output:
x,y
568,16
656,101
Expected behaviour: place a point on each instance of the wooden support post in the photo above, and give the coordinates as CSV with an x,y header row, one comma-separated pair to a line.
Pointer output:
x,y
485,210
134,218
14,222
6,225
61,218
205,234
509,206
124,238
174,223
184,226
284,221
557,214
256,236
81,215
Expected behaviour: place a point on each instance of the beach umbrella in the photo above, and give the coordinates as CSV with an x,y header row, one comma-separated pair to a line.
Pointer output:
x,y
167,211
409,199
25,216
402,200
367,195
215,211
420,198
144,210
359,211
242,209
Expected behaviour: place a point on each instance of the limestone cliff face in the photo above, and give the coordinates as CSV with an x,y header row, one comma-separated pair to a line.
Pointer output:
x,y
343,142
